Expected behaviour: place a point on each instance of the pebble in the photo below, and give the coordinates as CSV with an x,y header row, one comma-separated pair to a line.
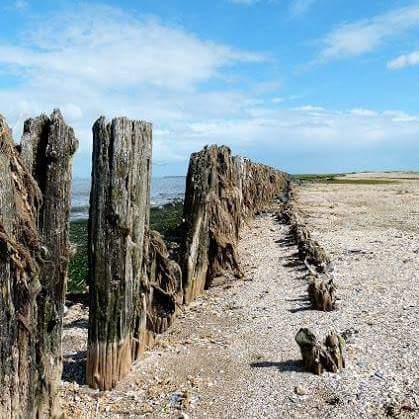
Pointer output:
x,y
300,390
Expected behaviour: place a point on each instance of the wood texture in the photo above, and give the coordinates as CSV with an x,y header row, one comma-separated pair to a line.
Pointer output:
x,y
47,148
319,357
221,192
160,294
35,204
135,289
119,206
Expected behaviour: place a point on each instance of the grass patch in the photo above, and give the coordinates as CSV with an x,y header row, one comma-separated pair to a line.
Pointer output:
x,y
338,178
166,220
343,181
315,177
78,263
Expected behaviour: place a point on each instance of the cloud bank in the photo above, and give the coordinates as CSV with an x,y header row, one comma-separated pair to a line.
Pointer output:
x,y
354,39
113,63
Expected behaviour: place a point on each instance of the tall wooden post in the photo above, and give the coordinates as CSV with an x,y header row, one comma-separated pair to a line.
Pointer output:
x,y
212,213
47,148
119,206
222,191
34,211
19,282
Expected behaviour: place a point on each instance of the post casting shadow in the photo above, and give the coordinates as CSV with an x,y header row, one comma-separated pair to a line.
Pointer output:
x,y
74,368
283,366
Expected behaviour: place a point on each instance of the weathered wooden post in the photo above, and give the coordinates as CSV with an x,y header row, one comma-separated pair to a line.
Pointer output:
x,y
319,357
212,213
221,192
119,207
160,291
34,211
19,282
47,148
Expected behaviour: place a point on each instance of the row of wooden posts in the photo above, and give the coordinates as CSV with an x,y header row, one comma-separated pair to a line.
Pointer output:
x,y
318,356
135,289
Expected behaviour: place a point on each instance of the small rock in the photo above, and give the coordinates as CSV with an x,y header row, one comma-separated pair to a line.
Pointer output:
x,y
300,390
379,374
147,408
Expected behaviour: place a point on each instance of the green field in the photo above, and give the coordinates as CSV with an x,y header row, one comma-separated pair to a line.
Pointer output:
x,y
311,177
337,178
166,220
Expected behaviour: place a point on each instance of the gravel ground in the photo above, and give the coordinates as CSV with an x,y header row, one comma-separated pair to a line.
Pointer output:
x,y
232,354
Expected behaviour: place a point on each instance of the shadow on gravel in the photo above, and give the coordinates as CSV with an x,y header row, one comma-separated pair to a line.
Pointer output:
x,y
74,368
303,308
305,303
293,260
290,365
286,242
301,298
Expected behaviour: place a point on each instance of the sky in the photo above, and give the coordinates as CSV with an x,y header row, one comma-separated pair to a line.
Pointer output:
x,y
308,86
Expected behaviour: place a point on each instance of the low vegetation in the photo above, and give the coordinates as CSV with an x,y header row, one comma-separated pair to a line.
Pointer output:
x,y
78,264
327,177
339,179
165,219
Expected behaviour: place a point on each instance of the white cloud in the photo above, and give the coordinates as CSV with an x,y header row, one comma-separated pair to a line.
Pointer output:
x,y
105,62
310,108
400,116
299,7
307,128
105,47
405,60
21,5
363,112
353,39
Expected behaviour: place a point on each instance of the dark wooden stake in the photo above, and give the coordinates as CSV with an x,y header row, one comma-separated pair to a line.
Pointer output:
x,y
221,192
34,211
119,207
47,147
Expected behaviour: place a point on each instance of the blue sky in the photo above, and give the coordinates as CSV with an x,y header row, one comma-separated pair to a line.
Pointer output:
x,y
304,85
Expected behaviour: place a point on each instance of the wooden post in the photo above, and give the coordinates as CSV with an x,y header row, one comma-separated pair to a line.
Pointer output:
x,y
212,213
34,210
19,282
47,148
160,294
119,206
221,192
319,357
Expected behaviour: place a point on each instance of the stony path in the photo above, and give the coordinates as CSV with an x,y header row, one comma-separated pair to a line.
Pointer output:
x,y
232,354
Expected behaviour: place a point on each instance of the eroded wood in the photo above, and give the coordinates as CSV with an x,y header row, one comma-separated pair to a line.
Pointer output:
x,y
319,357
119,206
35,204
221,192
321,285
